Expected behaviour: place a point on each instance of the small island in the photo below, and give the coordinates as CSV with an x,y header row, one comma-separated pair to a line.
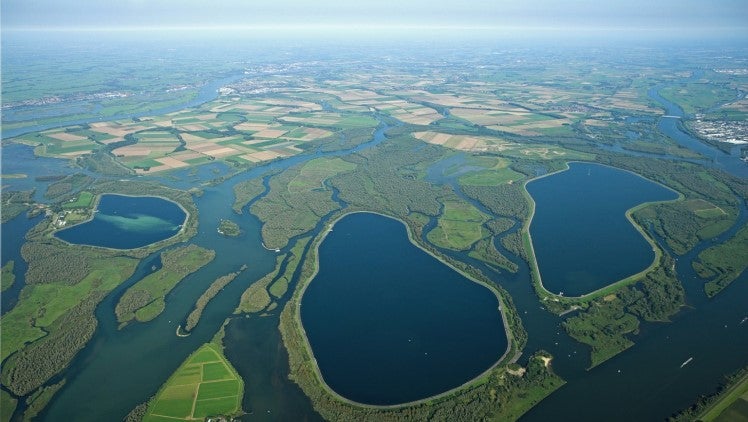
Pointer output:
x,y
229,228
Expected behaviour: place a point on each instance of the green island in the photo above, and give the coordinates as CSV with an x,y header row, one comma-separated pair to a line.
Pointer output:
x,y
14,203
229,228
329,137
256,298
246,191
194,317
205,385
145,300
723,263
7,405
39,400
7,278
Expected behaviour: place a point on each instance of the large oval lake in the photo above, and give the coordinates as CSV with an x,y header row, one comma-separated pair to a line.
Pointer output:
x,y
127,222
581,236
388,323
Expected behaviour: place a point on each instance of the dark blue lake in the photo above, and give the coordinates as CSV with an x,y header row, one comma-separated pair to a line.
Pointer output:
x,y
581,236
388,323
127,222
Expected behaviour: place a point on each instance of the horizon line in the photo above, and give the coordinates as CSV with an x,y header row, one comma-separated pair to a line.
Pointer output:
x,y
359,27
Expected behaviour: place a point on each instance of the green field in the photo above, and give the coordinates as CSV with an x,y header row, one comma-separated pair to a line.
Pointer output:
x,y
7,278
316,171
491,177
83,201
43,304
698,97
724,262
460,225
204,385
704,209
145,300
7,406
732,405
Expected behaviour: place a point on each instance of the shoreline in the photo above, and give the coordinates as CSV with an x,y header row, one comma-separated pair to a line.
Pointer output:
x,y
95,205
307,346
615,285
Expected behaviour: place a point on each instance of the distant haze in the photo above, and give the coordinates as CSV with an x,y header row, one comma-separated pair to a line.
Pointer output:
x,y
664,16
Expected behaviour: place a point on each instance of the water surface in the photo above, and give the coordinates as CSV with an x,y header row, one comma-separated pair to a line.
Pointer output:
x,y
581,236
389,323
127,222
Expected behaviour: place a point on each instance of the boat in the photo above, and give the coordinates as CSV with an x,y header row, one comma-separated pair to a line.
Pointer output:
x,y
686,362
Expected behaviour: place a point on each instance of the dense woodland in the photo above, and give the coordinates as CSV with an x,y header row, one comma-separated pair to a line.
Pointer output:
x,y
194,317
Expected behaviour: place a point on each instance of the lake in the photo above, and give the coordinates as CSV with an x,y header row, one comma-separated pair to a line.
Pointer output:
x,y
127,222
388,323
581,236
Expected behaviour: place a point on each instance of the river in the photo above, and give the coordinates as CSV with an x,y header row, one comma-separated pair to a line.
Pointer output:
x,y
645,382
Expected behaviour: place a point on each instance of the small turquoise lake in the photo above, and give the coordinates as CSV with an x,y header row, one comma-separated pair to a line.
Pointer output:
x,y
581,236
127,222
388,323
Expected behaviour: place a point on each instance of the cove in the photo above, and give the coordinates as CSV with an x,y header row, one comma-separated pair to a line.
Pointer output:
x,y
127,222
581,236
390,324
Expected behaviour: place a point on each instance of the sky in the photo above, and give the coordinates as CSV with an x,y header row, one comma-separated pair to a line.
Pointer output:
x,y
649,15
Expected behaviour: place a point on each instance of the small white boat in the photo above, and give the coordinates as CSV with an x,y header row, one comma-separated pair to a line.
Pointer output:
x,y
686,362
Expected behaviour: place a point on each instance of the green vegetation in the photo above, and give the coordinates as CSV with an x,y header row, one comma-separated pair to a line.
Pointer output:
x,y
685,223
724,262
39,400
54,317
729,403
499,173
42,304
204,385
229,228
15,202
498,395
698,97
7,278
194,317
388,179
145,300
84,200
732,404
246,191
297,200
506,200
34,364
104,163
608,319
315,172
280,285
7,406
67,185
485,251
459,226
603,327
256,297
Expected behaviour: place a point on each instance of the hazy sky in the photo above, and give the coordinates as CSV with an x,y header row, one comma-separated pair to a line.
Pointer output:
x,y
582,14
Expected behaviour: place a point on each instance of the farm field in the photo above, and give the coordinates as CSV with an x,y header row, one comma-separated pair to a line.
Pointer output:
x,y
232,129
500,146
204,385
